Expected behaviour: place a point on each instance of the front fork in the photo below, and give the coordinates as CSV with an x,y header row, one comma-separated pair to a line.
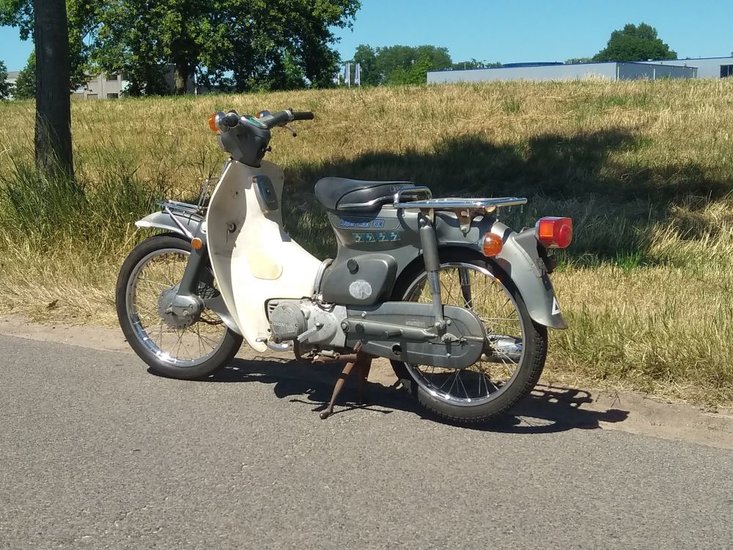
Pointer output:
x,y
187,303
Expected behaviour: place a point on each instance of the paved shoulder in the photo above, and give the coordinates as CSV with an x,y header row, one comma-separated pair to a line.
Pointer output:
x,y
97,452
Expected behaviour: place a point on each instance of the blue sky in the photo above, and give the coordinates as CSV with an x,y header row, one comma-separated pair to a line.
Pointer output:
x,y
512,30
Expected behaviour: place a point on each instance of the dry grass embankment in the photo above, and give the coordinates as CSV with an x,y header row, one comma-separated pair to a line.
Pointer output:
x,y
644,169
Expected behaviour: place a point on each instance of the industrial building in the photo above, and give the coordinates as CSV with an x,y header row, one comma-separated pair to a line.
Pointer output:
x,y
707,67
711,67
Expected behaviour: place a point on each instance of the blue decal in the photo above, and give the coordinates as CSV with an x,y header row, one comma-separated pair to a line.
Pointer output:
x,y
376,223
381,237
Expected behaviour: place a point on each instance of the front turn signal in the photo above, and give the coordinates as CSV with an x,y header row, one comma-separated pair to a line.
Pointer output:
x,y
492,245
213,123
554,232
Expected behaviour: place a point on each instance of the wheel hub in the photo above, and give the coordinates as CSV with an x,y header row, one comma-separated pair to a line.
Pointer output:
x,y
178,312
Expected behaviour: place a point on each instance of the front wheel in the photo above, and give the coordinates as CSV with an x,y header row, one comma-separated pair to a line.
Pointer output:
x,y
179,347
514,354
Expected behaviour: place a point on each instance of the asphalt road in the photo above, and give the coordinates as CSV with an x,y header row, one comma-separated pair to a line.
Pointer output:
x,y
95,452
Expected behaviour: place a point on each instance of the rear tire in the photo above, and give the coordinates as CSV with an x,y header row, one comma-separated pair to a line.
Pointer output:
x,y
152,269
494,384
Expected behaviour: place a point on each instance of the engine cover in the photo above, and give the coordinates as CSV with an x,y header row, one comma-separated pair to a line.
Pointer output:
x,y
307,322
287,320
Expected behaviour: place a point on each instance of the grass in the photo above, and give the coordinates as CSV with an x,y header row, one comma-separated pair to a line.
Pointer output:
x,y
644,169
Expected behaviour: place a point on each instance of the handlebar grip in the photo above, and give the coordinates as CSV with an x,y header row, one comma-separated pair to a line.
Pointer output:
x,y
303,115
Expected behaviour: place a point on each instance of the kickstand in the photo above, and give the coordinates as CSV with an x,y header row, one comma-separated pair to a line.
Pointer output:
x,y
363,362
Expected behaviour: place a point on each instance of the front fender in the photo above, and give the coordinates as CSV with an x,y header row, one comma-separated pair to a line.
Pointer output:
x,y
162,220
196,226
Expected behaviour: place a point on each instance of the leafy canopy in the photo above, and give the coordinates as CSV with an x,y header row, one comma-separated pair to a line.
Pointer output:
x,y
634,43
25,85
400,64
241,44
80,14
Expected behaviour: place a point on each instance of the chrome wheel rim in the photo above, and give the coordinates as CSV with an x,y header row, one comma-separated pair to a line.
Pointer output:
x,y
476,288
155,276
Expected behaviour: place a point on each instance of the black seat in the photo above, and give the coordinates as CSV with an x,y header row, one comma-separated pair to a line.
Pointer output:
x,y
345,195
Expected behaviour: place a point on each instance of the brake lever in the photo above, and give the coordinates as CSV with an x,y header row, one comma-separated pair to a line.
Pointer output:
x,y
289,129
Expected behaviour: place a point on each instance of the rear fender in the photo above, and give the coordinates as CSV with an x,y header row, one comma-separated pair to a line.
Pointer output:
x,y
519,259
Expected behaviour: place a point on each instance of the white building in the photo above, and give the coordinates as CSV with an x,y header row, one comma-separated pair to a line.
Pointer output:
x,y
103,86
707,67
560,71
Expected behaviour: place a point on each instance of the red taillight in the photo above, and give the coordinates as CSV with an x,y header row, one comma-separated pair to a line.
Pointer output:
x,y
555,232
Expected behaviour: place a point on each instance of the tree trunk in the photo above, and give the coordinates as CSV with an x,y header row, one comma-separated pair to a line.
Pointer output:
x,y
181,77
53,100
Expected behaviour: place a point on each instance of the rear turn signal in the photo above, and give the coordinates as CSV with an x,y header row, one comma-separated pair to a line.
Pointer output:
x,y
492,245
554,232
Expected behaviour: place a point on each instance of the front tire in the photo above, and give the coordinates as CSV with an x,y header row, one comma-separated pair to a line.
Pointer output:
x,y
184,349
516,346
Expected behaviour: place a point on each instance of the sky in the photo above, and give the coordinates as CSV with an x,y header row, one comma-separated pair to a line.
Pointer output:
x,y
511,31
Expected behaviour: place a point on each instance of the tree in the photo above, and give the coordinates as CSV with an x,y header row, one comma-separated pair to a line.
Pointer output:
x,y
53,102
273,45
400,64
6,88
634,43
577,60
81,22
367,58
251,43
474,64
25,84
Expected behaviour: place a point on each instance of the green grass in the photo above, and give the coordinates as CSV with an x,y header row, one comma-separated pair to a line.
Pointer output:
x,y
644,168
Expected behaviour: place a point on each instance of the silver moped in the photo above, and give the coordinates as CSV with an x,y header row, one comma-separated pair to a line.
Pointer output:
x,y
456,300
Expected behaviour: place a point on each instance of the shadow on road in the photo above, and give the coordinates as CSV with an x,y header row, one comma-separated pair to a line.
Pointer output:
x,y
548,409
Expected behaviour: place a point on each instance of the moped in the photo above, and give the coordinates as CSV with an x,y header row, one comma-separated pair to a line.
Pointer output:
x,y
455,299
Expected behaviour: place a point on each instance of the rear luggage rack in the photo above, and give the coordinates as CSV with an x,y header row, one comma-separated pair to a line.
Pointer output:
x,y
489,205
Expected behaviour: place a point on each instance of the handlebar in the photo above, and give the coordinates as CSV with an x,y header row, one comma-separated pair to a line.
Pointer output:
x,y
247,138
283,117
270,120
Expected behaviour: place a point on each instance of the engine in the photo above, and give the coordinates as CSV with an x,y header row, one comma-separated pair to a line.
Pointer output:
x,y
307,322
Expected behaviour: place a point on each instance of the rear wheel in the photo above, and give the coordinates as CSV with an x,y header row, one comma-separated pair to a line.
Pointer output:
x,y
180,347
515,351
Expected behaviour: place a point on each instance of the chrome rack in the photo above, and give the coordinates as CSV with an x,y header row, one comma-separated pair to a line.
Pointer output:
x,y
488,205
191,212
465,209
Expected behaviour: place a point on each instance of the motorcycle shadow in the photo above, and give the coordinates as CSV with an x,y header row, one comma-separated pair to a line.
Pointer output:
x,y
548,409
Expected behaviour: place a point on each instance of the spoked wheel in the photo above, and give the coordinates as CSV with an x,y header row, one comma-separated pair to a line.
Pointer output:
x,y
185,347
515,351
